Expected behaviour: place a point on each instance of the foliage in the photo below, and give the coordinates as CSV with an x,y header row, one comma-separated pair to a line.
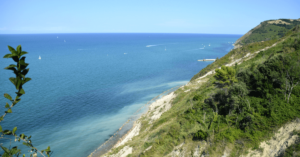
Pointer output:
x,y
268,31
20,70
225,75
237,116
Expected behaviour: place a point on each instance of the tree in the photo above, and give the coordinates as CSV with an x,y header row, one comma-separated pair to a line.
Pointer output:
x,y
20,70
225,75
292,79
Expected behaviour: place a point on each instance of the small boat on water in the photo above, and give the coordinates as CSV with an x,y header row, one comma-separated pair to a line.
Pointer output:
x,y
40,58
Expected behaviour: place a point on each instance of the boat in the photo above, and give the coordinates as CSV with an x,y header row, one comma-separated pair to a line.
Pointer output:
x,y
40,58
165,49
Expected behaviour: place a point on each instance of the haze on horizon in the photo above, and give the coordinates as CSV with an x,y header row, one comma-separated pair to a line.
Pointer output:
x,y
169,16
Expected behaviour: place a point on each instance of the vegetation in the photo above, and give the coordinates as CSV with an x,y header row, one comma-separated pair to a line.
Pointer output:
x,y
225,75
20,70
268,30
234,109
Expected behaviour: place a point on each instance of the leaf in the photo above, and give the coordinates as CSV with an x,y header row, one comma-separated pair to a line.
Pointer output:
x,y
15,58
7,56
22,63
9,111
1,118
5,149
22,91
19,49
26,144
13,80
23,53
7,132
15,150
10,66
12,50
7,105
26,80
1,128
7,96
25,71
14,130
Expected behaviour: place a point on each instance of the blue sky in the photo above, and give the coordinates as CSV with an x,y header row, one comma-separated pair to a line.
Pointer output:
x,y
140,16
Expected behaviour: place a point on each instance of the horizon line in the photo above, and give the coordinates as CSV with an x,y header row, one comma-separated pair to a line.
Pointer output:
x,y
117,33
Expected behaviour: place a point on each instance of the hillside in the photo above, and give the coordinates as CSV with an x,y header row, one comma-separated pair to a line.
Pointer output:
x,y
246,103
267,30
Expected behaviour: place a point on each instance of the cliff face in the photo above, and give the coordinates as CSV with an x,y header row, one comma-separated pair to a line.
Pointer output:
x,y
267,30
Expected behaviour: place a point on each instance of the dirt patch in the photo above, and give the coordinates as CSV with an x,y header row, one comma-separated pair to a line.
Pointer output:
x,y
278,143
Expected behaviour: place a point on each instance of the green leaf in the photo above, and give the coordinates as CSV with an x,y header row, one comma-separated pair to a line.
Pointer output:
x,y
13,80
7,96
23,53
7,132
26,80
5,149
23,155
22,91
25,71
7,105
26,144
15,58
12,50
14,130
9,111
7,56
19,49
15,150
10,66
1,128
22,61
22,136
1,118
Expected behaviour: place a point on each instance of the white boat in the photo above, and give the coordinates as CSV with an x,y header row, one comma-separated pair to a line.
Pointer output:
x,y
209,45
40,58
64,40
57,36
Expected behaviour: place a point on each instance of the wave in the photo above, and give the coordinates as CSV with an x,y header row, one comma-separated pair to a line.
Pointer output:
x,y
151,45
138,87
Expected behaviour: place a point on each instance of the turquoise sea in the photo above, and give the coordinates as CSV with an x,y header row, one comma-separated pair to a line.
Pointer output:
x,y
85,86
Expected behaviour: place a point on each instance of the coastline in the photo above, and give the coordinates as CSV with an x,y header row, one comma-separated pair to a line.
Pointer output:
x,y
159,103
132,126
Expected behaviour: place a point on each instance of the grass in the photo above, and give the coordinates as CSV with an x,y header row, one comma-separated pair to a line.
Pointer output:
x,y
191,111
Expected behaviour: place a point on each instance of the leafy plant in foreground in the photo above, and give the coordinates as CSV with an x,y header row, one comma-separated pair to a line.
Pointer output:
x,y
20,70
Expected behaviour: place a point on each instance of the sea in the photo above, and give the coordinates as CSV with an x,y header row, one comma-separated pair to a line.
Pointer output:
x,y
84,87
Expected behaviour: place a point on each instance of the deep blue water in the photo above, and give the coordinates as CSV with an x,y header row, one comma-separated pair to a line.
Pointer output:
x,y
87,85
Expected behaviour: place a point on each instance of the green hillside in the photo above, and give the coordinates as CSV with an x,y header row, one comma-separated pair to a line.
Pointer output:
x,y
232,110
268,30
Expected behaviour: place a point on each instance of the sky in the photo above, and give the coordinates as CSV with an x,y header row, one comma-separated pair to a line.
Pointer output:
x,y
141,16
